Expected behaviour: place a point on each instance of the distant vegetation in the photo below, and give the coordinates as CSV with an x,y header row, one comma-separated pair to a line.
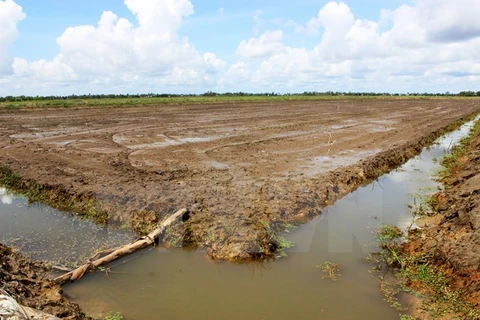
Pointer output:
x,y
14,102
233,94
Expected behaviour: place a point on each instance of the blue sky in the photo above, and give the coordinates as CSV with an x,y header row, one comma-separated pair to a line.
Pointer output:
x,y
59,46
208,28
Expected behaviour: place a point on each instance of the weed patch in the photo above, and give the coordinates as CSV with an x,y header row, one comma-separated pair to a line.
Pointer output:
x,y
454,160
84,206
275,236
330,270
416,274
113,316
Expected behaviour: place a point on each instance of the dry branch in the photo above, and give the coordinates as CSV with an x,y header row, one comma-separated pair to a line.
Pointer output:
x,y
120,252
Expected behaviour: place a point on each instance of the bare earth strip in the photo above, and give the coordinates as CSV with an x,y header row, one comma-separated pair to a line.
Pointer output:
x,y
241,169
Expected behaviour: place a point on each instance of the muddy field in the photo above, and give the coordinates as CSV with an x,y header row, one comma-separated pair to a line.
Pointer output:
x,y
243,170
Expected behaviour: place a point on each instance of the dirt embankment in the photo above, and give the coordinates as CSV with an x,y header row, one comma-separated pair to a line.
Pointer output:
x,y
450,238
29,284
243,170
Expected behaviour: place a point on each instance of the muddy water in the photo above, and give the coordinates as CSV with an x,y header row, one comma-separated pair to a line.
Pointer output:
x,y
182,284
52,236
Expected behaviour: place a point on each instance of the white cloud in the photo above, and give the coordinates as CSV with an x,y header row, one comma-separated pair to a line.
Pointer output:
x,y
238,74
336,17
7,199
447,21
425,45
215,64
268,44
55,70
10,15
432,43
259,22
116,51
160,18
99,50
115,47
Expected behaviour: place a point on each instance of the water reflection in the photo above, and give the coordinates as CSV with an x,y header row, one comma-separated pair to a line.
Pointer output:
x,y
53,236
5,197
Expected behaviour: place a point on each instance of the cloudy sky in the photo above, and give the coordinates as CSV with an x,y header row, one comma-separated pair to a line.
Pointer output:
x,y
65,47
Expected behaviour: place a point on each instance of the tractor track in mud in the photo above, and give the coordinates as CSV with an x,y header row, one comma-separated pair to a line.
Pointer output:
x,y
243,170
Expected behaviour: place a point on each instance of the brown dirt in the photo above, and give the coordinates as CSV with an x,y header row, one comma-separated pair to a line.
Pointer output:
x,y
28,283
241,169
452,233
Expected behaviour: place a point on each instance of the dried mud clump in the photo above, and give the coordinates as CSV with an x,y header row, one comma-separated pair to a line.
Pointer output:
x,y
27,282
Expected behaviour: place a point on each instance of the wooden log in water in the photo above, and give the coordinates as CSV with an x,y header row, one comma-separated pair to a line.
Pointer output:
x,y
120,252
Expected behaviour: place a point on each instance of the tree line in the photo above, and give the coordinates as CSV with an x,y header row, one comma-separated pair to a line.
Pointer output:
x,y
230,94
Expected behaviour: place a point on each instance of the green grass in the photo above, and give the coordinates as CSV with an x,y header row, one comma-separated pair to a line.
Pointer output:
x,y
49,195
452,162
284,243
441,299
275,233
387,233
112,102
113,316
330,270
414,274
388,238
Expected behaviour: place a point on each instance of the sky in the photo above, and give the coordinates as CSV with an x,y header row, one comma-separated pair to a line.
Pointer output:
x,y
63,47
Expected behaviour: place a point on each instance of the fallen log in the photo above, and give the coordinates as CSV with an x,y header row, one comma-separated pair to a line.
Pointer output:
x,y
140,243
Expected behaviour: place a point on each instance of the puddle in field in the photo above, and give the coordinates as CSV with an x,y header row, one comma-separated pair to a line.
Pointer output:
x,y
181,284
160,141
216,165
380,129
321,164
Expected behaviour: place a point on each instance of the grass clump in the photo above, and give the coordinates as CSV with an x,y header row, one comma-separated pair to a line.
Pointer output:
x,y
275,236
415,274
440,298
454,160
389,239
388,233
113,316
284,243
35,192
330,270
